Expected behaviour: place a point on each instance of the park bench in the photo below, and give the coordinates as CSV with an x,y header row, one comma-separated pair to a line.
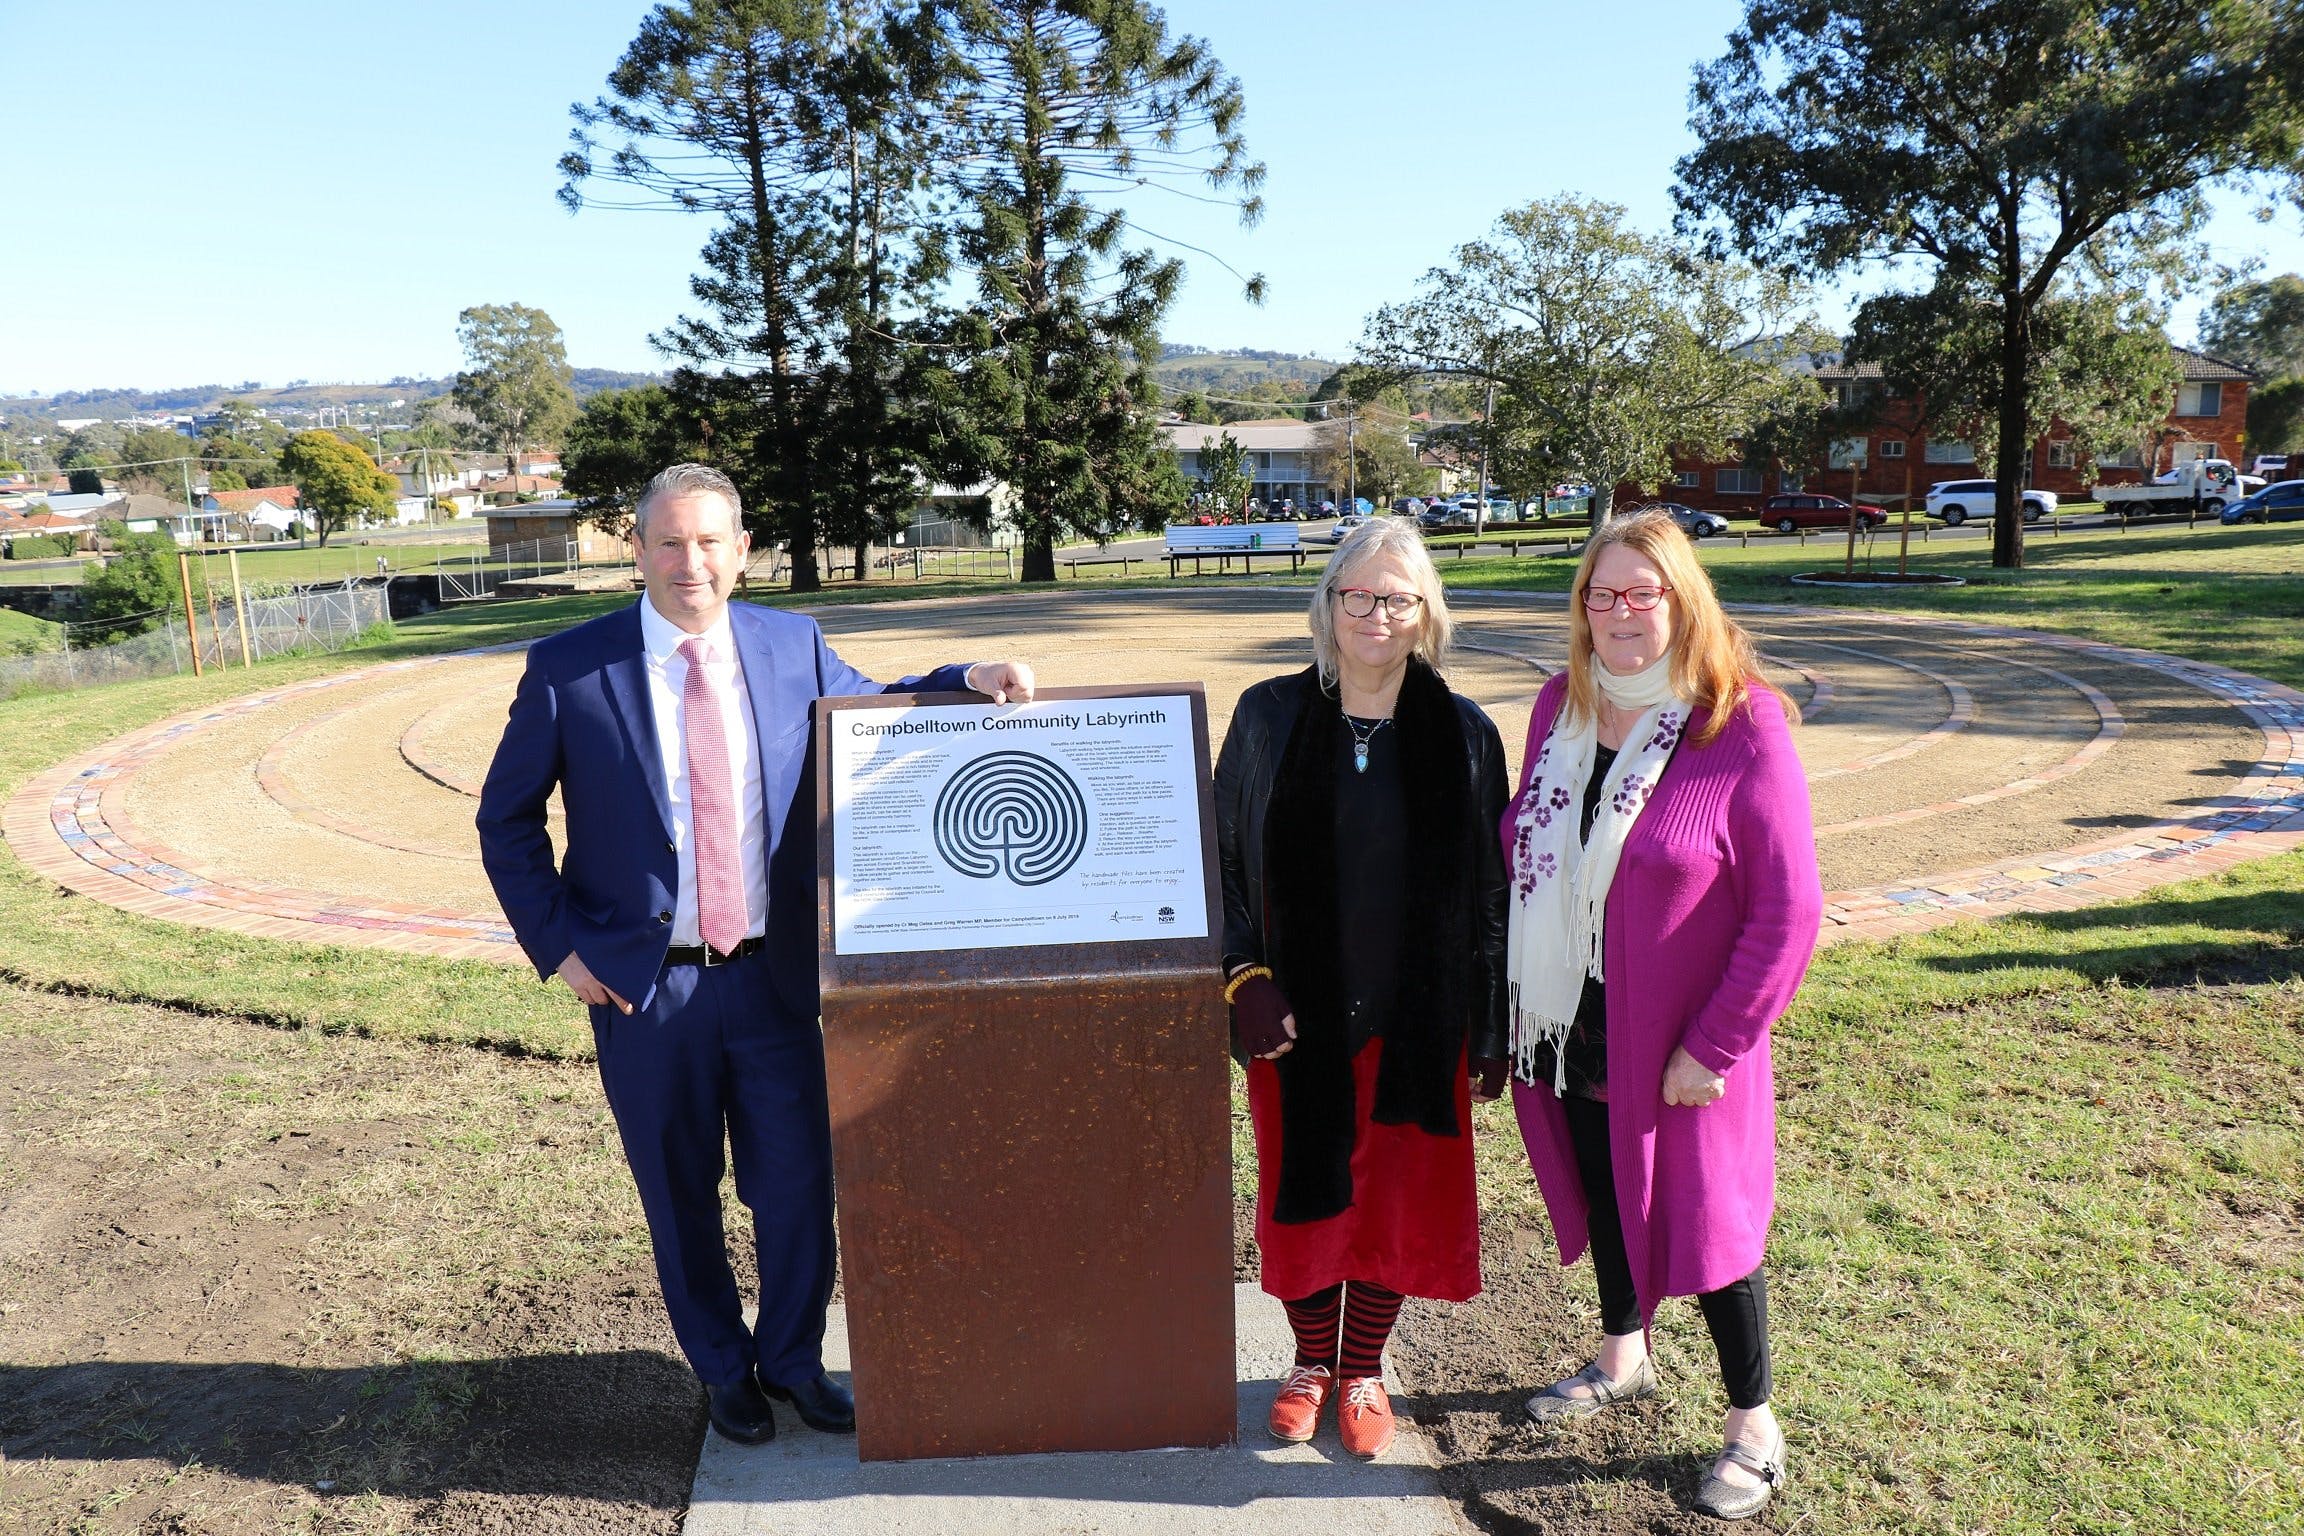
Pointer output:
x,y
1226,542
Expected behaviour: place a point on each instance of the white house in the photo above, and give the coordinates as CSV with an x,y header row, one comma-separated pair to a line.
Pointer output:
x,y
975,516
269,513
1279,456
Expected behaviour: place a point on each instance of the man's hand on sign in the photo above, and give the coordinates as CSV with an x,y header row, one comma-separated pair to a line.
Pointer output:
x,y
1009,682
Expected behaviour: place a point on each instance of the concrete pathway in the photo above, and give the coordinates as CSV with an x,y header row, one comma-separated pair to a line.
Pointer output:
x,y
806,1484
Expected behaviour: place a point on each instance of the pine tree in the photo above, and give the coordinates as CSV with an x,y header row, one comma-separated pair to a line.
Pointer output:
x,y
1062,105
800,124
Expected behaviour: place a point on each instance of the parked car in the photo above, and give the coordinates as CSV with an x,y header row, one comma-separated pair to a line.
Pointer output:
x,y
1694,521
1956,501
1409,505
2282,503
2272,466
1792,510
1342,526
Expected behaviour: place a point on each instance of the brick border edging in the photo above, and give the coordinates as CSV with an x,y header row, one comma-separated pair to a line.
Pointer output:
x,y
58,824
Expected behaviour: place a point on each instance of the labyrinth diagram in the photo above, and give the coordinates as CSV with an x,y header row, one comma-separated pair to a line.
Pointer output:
x,y
1011,814
1955,769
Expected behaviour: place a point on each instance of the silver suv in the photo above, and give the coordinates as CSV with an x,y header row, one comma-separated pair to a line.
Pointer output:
x,y
1956,501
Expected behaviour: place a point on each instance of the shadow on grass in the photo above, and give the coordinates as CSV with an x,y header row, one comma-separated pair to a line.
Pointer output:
x,y
621,1426
2224,939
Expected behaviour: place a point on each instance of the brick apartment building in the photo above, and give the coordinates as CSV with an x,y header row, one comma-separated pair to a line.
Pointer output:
x,y
1895,462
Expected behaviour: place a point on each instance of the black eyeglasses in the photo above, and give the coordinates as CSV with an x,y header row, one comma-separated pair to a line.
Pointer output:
x,y
1638,599
1359,602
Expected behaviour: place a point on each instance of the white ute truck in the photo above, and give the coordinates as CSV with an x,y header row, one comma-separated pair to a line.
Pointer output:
x,y
2215,481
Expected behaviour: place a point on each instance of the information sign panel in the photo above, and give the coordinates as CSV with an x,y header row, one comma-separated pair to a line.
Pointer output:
x,y
981,826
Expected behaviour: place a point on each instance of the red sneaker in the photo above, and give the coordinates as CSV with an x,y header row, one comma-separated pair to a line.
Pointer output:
x,y
1296,1407
1364,1418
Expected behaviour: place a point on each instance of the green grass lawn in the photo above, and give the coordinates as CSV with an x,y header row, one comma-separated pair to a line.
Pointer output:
x,y
40,573
2040,1241
20,632
281,564
2038,1257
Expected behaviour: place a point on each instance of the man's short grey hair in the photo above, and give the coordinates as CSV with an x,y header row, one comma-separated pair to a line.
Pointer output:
x,y
684,480
1372,540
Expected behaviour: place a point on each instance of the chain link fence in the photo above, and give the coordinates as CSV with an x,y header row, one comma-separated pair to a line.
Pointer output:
x,y
316,619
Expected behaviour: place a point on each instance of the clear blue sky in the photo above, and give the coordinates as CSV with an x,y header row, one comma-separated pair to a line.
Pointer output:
x,y
270,192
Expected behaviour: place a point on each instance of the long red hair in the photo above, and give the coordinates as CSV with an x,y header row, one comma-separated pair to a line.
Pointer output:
x,y
1714,665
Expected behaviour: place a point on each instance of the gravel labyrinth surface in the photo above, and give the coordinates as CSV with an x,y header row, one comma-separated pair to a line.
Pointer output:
x,y
1955,768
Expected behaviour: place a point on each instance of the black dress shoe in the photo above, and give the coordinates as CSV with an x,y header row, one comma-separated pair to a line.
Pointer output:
x,y
824,1404
741,1413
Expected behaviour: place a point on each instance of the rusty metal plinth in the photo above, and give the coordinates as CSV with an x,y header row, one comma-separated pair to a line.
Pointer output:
x,y
1035,1210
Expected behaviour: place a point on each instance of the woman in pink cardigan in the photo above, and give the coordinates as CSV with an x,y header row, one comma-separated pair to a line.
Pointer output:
x,y
1665,903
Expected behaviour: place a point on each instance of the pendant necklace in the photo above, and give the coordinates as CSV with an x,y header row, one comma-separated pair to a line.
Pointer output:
x,y
1360,740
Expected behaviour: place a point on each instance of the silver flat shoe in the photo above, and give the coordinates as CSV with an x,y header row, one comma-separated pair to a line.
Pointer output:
x,y
1725,1500
1553,1404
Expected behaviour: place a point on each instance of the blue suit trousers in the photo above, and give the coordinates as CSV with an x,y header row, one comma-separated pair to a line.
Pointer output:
x,y
714,1057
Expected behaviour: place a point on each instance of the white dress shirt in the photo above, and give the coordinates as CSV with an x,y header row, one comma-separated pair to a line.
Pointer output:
x,y
667,681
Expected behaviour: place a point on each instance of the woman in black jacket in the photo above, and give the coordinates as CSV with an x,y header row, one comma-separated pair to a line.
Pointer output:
x,y
1364,939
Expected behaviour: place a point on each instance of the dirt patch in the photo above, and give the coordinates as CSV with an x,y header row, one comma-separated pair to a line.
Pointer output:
x,y
258,1281
1468,1370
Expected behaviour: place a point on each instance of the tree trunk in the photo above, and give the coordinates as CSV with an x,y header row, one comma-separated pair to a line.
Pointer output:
x,y
1603,501
2008,476
797,506
1039,558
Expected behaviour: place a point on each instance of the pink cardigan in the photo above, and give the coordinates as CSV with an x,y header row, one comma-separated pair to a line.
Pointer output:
x,y
1711,922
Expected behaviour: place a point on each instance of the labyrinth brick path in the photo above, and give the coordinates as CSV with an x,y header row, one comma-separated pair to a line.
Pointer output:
x,y
1957,770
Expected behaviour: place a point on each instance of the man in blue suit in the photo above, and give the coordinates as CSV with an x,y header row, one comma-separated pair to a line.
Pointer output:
x,y
683,911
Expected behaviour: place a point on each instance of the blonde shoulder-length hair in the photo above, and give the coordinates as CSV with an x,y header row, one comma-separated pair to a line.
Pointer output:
x,y
1714,665
1371,541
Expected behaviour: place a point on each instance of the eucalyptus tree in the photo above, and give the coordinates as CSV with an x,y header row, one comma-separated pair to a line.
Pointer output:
x,y
516,383
2258,324
1995,143
1608,347
1061,108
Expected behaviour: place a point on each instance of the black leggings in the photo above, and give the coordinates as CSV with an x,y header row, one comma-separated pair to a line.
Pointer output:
x,y
1737,1313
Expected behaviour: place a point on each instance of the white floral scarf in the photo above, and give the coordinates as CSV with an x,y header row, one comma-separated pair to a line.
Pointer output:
x,y
1560,880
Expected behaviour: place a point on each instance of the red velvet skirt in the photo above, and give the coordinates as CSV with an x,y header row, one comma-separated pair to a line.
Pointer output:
x,y
1414,1221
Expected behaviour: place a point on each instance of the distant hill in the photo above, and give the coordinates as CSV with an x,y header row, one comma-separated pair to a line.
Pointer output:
x,y
198,398
1187,368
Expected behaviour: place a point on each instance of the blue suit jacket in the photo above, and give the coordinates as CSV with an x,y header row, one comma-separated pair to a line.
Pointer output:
x,y
582,721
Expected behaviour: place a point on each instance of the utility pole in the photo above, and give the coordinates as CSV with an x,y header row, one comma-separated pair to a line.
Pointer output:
x,y
1487,430
1351,456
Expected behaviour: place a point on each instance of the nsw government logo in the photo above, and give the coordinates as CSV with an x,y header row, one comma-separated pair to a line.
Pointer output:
x,y
1167,914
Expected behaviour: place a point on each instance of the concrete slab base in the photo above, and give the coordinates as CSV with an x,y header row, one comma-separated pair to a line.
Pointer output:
x,y
803,1482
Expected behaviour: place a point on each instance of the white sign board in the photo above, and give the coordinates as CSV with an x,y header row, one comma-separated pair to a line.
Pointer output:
x,y
982,826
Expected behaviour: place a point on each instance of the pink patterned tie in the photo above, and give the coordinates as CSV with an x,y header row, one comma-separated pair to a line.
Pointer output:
x,y
720,917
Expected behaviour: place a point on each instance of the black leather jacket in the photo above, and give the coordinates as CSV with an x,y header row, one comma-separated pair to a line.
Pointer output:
x,y
1245,771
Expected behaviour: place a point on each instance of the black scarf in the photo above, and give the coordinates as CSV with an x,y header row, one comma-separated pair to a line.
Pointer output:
x,y
1425,1028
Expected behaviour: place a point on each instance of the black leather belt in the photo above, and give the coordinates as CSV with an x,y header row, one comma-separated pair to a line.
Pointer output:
x,y
706,955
